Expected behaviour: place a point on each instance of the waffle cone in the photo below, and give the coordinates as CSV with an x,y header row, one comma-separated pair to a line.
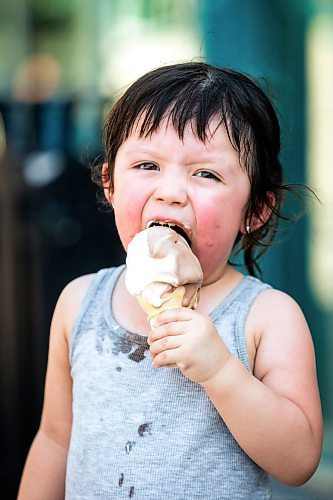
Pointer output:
x,y
175,300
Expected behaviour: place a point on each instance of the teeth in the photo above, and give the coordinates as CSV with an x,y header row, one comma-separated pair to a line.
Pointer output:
x,y
180,230
163,224
152,223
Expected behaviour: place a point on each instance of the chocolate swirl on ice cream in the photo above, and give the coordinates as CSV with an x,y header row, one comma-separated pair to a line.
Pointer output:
x,y
162,271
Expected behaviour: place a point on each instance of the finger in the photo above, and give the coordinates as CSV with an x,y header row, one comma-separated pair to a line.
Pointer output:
x,y
164,344
190,293
169,315
167,330
166,358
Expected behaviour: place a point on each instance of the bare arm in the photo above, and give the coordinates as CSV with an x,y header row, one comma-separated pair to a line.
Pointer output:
x,y
274,415
44,472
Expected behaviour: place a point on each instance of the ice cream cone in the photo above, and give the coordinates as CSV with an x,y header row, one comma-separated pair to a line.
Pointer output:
x,y
175,299
162,272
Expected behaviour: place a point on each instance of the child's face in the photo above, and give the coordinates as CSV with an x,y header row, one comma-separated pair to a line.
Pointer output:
x,y
199,186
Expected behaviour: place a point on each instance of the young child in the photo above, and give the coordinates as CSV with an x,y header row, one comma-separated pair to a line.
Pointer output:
x,y
196,146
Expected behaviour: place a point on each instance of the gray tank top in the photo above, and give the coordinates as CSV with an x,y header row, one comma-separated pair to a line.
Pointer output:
x,y
150,433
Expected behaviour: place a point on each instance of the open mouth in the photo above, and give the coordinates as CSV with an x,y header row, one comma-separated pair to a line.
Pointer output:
x,y
178,229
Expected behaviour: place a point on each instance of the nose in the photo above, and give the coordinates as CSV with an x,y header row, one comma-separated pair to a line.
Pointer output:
x,y
171,190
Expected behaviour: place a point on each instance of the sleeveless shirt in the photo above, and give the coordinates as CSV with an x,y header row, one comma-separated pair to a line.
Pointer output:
x,y
145,432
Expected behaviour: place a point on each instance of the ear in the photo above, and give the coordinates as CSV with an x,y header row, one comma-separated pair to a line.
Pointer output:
x,y
254,222
107,183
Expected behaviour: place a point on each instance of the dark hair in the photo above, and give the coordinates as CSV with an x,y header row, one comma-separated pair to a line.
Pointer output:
x,y
195,93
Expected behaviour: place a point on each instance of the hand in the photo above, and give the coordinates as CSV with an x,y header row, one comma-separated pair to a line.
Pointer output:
x,y
189,340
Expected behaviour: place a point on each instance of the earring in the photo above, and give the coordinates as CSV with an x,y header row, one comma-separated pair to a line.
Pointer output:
x,y
248,229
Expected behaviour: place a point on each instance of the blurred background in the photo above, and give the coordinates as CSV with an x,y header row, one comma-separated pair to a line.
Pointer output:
x,y
62,64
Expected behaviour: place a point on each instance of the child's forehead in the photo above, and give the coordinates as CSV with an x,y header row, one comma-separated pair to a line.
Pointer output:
x,y
166,141
140,133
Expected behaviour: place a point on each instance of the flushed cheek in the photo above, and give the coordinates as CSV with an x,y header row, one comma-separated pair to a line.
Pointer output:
x,y
211,248
128,216
214,240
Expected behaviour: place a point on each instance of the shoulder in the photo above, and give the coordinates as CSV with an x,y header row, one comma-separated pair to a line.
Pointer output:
x,y
69,303
274,310
77,287
274,306
279,330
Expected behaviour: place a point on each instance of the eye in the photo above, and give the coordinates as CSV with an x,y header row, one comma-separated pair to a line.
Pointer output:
x,y
206,174
147,165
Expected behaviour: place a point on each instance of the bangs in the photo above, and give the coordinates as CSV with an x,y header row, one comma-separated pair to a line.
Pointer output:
x,y
192,106
194,99
192,94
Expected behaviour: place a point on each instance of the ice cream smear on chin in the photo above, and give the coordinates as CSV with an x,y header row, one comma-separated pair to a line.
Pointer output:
x,y
162,271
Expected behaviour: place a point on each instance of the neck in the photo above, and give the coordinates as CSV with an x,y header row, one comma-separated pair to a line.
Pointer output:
x,y
215,289
212,293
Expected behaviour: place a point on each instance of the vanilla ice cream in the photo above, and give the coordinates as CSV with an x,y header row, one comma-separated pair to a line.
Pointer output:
x,y
162,271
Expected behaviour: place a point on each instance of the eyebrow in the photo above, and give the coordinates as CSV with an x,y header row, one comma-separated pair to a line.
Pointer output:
x,y
142,150
189,160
